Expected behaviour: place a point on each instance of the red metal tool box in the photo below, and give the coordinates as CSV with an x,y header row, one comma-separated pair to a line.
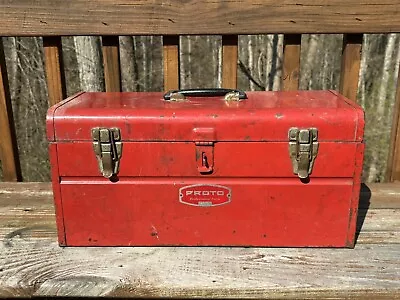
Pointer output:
x,y
206,167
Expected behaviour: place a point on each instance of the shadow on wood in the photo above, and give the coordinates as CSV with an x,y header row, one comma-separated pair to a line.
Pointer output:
x,y
365,201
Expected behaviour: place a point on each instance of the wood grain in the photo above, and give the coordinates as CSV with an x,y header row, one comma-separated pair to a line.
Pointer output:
x,y
8,144
121,17
111,62
32,264
229,61
56,85
171,62
351,60
393,165
291,62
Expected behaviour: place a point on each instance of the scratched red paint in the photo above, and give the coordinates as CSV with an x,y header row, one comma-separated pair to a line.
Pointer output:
x,y
268,205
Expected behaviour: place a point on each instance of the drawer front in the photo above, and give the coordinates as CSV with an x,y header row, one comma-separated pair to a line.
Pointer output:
x,y
154,211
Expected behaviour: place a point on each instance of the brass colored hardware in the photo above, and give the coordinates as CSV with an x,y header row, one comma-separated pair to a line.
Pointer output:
x,y
232,96
177,97
107,146
303,149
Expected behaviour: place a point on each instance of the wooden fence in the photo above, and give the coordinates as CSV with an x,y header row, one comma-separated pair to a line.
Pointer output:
x,y
52,19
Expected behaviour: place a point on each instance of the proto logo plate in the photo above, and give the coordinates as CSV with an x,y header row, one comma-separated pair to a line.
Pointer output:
x,y
205,195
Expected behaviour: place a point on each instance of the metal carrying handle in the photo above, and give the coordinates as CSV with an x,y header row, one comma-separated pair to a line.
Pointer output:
x,y
214,92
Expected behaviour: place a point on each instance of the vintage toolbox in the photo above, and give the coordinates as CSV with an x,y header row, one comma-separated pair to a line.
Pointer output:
x,y
206,167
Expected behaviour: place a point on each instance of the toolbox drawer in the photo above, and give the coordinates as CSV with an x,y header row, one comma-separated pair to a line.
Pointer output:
x,y
261,212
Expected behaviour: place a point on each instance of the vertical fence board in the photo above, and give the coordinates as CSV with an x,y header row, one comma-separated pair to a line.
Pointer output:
x,y
291,61
8,145
54,69
351,60
171,62
229,61
393,169
111,62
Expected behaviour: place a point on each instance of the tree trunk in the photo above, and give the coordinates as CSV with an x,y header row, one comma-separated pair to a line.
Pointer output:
x,y
387,66
219,68
363,69
127,59
251,59
307,68
376,153
88,54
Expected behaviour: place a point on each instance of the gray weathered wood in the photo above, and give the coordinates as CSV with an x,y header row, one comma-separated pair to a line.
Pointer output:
x,y
32,264
119,17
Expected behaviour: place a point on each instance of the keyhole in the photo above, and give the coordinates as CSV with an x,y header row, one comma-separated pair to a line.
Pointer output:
x,y
204,159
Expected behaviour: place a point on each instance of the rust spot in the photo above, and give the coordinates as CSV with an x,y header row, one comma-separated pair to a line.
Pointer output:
x,y
247,138
161,116
154,233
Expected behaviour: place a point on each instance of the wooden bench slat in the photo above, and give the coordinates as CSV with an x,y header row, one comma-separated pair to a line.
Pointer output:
x,y
291,62
171,62
111,63
56,84
351,60
104,17
41,268
8,146
229,61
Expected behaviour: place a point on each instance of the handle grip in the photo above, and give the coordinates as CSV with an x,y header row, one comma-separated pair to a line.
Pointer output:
x,y
205,93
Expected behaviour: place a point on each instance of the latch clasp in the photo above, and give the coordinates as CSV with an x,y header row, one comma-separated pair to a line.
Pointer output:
x,y
107,146
303,149
204,140
205,156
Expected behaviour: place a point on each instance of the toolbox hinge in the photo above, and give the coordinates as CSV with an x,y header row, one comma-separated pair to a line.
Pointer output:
x,y
205,156
107,146
303,149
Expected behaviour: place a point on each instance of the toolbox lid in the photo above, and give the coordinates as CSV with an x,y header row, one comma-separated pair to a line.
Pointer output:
x,y
263,116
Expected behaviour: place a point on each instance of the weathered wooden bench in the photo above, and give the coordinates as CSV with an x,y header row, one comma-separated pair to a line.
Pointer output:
x,y
32,263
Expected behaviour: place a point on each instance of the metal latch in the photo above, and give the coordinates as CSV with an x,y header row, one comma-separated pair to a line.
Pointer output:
x,y
108,148
205,156
303,149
